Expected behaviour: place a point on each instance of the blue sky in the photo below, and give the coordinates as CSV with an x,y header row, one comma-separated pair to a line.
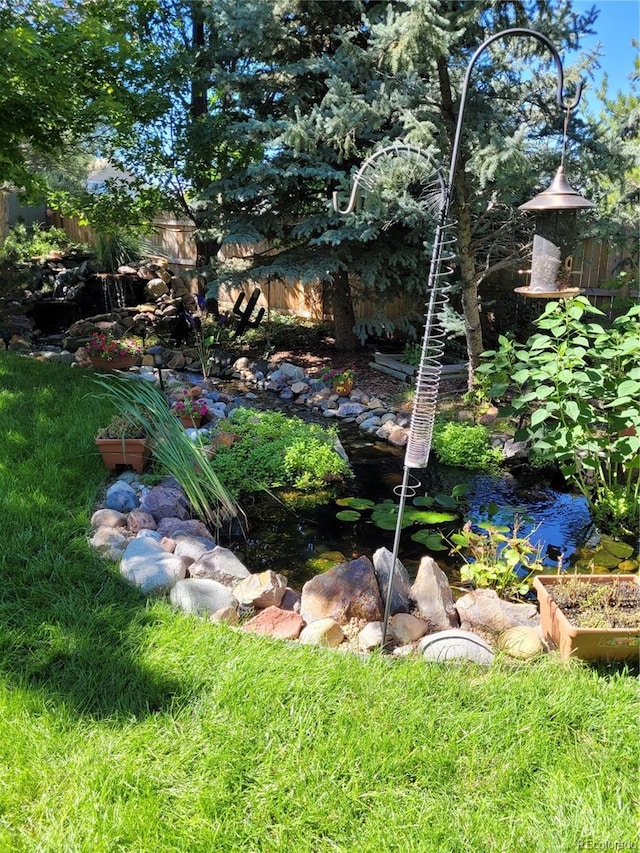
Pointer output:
x,y
617,23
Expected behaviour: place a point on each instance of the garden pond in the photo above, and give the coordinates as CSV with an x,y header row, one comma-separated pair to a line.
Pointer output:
x,y
302,541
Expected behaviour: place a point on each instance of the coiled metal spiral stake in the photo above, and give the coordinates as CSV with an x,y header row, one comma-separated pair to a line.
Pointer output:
x,y
428,375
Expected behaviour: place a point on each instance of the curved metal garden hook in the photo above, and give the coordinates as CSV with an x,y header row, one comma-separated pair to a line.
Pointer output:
x,y
514,31
396,148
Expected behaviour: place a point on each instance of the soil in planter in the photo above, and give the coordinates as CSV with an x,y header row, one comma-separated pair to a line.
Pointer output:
x,y
606,605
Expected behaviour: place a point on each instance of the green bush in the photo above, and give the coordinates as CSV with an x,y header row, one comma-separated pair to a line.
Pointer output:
x,y
274,450
33,241
465,445
576,386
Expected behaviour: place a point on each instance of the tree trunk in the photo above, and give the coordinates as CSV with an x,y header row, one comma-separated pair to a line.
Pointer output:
x,y
344,319
470,298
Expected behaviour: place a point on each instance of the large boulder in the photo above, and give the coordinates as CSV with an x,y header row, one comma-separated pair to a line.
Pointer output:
x,y
345,592
219,564
195,595
265,589
433,596
274,622
401,589
149,567
165,501
482,610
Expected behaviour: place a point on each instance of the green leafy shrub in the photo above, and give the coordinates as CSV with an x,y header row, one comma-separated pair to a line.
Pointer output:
x,y
274,450
26,242
576,387
497,557
465,445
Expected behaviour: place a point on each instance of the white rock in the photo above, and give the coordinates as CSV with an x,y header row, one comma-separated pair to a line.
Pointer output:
x,y
455,645
201,595
149,567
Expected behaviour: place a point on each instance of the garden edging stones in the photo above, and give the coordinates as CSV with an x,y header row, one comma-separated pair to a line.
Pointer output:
x,y
340,608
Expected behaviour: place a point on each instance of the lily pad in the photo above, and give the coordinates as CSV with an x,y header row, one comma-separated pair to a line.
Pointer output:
x,y
422,516
348,515
385,516
422,500
356,503
432,541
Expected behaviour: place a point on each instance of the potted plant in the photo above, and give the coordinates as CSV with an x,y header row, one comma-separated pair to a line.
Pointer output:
x,y
341,380
592,617
107,353
191,412
124,442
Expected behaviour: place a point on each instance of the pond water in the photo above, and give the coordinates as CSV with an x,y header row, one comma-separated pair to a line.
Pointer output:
x,y
303,542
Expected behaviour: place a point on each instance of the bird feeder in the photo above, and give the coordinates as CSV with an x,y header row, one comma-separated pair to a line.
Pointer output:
x,y
553,241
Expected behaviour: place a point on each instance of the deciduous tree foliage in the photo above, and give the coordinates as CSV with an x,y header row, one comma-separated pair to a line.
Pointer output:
x,y
247,116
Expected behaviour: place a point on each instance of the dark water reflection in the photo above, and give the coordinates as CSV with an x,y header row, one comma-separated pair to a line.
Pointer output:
x,y
294,542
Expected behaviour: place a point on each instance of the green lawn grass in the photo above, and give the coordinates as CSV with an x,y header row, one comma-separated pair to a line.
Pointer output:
x,y
127,727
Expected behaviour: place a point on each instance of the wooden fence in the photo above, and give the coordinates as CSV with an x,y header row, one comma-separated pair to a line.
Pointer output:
x,y
173,240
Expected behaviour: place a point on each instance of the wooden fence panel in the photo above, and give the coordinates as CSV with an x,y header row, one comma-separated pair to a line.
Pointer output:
x,y
173,240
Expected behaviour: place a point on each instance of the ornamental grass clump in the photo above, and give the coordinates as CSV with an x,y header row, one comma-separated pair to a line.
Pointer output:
x,y
173,449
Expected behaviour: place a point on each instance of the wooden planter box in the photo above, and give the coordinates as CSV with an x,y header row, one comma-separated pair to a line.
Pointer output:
x,y
585,643
392,365
133,452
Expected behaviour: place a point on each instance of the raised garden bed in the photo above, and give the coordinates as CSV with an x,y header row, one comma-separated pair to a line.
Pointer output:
x,y
392,365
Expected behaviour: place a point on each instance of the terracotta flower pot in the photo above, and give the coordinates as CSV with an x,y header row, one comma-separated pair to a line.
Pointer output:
x,y
133,452
584,643
190,421
118,362
342,388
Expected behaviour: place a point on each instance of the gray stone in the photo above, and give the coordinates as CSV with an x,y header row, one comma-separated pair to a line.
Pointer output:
x,y
149,567
370,637
347,591
176,527
165,502
200,595
404,628
433,596
138,520
108,518
192,546
350,410
219,564
401,591
483,610
455,645
370,424
261,590
291,371
291,600
521,642
323,632
109,543
121,497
